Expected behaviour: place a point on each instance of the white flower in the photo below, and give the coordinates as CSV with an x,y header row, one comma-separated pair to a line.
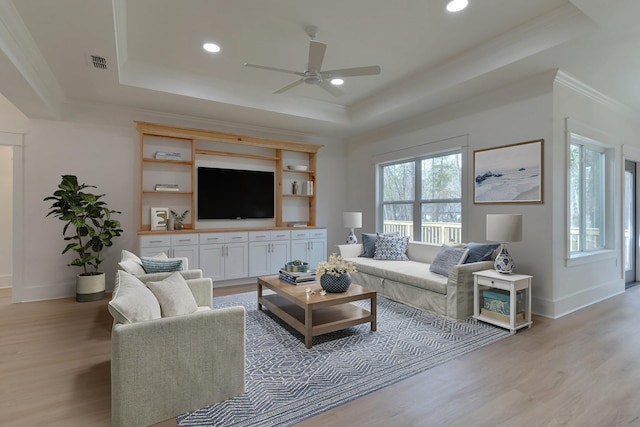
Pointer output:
x,y
335,266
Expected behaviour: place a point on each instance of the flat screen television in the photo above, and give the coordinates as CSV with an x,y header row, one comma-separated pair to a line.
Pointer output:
x,y
235,193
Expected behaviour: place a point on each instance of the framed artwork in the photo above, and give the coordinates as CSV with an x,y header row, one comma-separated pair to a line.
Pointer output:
x,y
509,174
159,218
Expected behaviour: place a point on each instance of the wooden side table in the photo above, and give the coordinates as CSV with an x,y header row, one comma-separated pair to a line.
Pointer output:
x,y
513,283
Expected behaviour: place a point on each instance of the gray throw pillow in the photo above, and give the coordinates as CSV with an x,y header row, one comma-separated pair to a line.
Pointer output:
x,y
369,243
480,251
446,258
155,265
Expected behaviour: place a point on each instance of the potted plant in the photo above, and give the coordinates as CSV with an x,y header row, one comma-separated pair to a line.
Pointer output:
x,y
90,229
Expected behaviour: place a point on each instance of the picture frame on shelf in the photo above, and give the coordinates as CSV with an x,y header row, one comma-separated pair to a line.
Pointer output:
x,y
509,173
159,218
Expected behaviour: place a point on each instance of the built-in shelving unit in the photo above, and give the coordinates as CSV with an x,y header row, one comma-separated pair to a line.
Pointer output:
x,y
191,144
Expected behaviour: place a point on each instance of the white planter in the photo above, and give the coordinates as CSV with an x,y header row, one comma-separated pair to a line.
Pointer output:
x,y
90,287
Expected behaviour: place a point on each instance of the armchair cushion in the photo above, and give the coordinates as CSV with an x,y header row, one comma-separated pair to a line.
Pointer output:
x,y
174,295
132,301
131,263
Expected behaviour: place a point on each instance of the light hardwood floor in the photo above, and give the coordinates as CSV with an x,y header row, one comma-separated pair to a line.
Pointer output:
x,y
580,370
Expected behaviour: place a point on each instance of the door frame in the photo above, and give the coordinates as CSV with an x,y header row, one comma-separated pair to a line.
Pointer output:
x,y
631,154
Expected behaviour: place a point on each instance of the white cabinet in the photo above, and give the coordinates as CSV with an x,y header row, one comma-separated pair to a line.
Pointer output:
x,y
268,251
309,246
173,245
224,256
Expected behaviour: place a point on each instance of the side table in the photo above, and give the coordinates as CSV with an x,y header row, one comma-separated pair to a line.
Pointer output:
x,y
513,283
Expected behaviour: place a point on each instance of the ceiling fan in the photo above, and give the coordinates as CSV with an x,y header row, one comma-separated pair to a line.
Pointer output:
x,y
313,73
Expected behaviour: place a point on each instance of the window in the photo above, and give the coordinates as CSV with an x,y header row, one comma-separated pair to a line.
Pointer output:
x,y
589,195
422,198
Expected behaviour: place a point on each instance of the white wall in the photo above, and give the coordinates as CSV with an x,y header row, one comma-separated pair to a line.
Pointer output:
x,y
513,114
598,277
101,148
6,216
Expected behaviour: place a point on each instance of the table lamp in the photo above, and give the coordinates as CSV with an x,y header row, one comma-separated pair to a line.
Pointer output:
x,y
352,220
504,228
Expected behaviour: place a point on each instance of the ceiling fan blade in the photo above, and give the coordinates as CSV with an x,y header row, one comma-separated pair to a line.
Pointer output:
x,y
316,55
330,88
351,72
289,86
262,67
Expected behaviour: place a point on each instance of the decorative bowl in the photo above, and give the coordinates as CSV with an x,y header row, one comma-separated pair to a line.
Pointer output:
x,y
297,267
298,167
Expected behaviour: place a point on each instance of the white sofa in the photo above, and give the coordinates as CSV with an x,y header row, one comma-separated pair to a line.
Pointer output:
x,y
410,282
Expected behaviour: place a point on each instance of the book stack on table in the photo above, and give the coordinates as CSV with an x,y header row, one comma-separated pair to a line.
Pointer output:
x,y
298,278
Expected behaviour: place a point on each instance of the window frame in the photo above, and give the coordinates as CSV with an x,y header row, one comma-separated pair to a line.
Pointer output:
x,y
417,200
606,249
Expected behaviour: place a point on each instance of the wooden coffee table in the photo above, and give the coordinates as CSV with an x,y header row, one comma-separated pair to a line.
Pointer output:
x,y
316,314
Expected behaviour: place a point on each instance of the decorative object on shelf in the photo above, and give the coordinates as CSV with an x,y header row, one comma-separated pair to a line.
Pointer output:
x,y
509,174
334,274
94,229
167,187
159,219
307,188
294,187
352,220
164,155
297,167
504,228
179,219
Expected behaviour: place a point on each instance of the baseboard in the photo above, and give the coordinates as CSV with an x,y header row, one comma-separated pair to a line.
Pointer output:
x,y
557,308
6,280
48,291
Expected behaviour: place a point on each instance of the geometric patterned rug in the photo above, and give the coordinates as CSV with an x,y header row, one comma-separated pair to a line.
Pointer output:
x,y
286,382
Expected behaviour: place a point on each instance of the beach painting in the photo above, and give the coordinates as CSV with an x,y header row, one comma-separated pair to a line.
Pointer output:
x,y
509,174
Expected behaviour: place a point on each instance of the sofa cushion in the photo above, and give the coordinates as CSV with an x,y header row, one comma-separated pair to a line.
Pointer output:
x,y
391,248
132,301
480,251
174,295
446,258
155,265
369,243
131,263
412,273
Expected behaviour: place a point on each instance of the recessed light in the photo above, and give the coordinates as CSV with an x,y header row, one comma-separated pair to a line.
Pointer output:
x,y
337,82
457,5
211,47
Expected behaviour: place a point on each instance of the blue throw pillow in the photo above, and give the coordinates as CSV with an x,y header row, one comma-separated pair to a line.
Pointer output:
x,y
391,248
480,251
369,243
446,258
155,265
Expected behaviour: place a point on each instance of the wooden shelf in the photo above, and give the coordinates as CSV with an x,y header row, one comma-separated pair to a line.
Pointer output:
x,y
167,161
166,192
196,141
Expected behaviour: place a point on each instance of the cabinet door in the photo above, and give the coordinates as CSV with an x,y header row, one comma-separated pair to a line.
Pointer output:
x,y
189,252
236,260
299,250
259,259
212,261
279,255
317,251
155,250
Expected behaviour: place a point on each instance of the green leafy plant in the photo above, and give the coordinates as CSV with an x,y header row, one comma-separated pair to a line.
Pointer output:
x,y
89,217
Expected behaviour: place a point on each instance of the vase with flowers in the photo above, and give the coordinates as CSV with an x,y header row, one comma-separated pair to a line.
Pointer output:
x,y
334,273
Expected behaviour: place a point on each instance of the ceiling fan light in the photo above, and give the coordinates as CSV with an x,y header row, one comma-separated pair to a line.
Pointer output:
x,y
457,5
211,47
337,82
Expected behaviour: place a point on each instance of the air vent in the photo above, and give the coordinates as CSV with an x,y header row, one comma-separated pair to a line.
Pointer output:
x,y
99,62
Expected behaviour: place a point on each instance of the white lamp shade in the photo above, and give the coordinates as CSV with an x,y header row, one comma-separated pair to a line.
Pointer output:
x,y
504,228
352,219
